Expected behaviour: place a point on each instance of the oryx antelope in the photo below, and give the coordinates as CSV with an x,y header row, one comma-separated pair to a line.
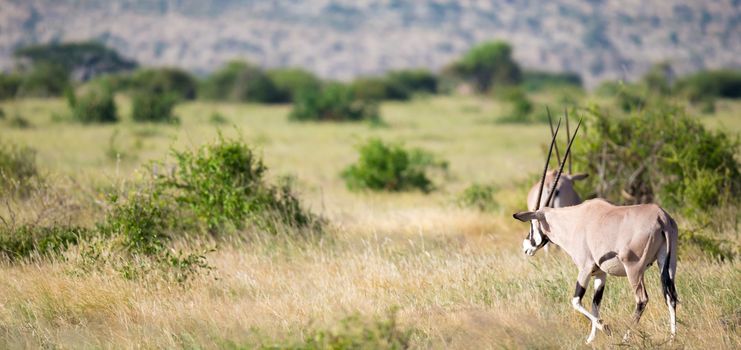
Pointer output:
x,y
603,239
564,193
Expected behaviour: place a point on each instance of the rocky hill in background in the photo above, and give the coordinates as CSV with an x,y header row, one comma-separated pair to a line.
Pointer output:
x,y
346,38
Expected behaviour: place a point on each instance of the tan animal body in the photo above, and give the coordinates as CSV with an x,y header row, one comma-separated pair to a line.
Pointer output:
x,y
603,239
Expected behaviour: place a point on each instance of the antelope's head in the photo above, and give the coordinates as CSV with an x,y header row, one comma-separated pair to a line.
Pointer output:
x,y
537,236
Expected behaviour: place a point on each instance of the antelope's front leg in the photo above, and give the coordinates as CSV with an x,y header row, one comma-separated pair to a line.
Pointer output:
x,y
581,283
599,288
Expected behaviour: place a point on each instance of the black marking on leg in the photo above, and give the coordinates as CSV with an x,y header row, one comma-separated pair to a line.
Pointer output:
x,y
579,292
598,296
640,306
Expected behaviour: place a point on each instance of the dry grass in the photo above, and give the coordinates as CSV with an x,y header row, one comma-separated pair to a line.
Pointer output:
x,y
457,276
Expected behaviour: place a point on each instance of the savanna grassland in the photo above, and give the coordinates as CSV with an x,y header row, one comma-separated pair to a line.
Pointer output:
x,y
411,266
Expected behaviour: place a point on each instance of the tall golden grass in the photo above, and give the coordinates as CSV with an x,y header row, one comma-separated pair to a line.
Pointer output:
x,y
455,275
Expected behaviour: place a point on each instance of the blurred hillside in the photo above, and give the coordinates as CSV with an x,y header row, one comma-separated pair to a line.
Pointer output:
x,y
346,38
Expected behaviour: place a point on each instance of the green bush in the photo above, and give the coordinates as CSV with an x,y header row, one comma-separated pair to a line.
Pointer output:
x,y
356,333
378,89
154,107
241,81
96,106
334,102
702,85
19,122
217,118
521,108
17,169
174,81
290,82
479,196
489,64
631,98
224,184
658,79
541,80
9,85
29,240
390,167
44,80
414,80
142,221
659,153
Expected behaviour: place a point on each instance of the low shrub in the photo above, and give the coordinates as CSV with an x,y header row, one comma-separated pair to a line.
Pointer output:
x,y
172,81
217,118
19,122
541,80
44,80
290,82
693,242
334,102
725,83
631,98
154,107
658,154
28,240
355,333
479,196
18,169
9,85
414,81
96,106
378,89
224,184
240,81
391,167
142,221
521,110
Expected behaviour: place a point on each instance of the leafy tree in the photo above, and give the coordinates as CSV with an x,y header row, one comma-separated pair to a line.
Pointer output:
x,y
84,60
489,64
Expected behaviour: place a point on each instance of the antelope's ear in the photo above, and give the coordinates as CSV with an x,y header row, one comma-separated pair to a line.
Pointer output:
x,y
580,176
524,216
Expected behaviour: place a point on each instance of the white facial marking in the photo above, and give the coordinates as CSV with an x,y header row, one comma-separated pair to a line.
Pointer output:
x,y
537,236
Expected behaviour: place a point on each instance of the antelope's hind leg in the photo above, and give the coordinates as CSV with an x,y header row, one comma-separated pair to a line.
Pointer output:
x,y
635,277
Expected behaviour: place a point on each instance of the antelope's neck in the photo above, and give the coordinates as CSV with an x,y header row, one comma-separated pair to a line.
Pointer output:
x,y
559,233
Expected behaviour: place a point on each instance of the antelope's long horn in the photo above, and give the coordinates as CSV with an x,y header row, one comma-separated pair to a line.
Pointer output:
x,y
560,169
553,134
568,132
545,169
